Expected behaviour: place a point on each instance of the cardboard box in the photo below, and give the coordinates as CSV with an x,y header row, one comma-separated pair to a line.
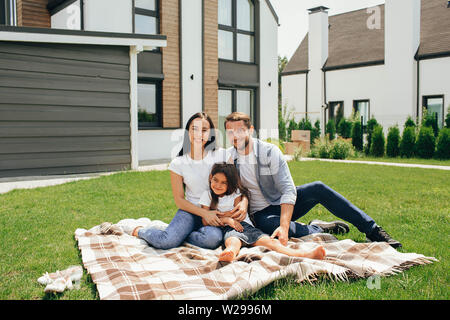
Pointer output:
x,y
300,135
290,147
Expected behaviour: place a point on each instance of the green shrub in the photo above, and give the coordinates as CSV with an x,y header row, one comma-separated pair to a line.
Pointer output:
x,y
378,142
315,132
426,143
443,144
321,148
292,126
357,135
410,123
371,124
393,142
330,130
341,149
304,124
344,128
430,120
408,142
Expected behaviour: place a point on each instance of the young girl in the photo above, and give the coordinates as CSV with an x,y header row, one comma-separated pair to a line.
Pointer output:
x,y
225,192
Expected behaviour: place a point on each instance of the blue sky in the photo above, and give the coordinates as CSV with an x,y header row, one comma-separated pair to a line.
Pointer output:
x,y
293,15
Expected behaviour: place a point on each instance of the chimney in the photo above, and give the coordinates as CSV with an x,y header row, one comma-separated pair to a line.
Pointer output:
x,y
317,56
402,39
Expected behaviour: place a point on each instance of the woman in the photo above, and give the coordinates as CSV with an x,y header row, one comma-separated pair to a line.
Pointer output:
x,y
189,177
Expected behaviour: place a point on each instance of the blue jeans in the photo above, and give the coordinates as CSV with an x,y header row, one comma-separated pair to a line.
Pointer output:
x,y
184,226
308,195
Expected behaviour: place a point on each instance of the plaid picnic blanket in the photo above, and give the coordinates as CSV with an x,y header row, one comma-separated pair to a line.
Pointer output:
x,y
125,267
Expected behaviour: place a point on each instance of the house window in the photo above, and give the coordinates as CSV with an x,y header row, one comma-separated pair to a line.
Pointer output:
x,y
335,111
8,15
435,105
237,30
146,17
149,104
231,100
363,107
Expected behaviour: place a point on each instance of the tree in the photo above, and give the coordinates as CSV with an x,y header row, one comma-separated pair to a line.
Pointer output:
x,y
393,142
408,142
357,135
331,129
378,142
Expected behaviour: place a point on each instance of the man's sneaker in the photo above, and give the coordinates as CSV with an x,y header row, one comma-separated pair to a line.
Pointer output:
x,y
335,227
380,235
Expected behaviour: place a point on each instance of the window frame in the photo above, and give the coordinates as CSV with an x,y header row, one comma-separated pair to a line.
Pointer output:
x,y
8,12
330,108
435,96
235,31
355,103
149,13
158,89
234,102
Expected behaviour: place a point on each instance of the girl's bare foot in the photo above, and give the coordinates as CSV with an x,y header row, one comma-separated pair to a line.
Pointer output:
x,y
227,255
318,253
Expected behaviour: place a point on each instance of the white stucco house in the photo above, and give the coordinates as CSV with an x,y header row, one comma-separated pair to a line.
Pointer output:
x,y
387,62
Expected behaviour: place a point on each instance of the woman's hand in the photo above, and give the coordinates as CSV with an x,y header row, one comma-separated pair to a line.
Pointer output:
x,y
212,219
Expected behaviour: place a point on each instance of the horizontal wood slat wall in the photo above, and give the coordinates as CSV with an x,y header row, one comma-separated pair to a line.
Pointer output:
x,y
210,62
33,13
63,109
171,94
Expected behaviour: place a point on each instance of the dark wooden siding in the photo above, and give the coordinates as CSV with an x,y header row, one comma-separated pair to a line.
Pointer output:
x,y
63,109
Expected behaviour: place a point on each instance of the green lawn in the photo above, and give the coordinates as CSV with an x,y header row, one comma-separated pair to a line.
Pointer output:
x,y
435,162
37,227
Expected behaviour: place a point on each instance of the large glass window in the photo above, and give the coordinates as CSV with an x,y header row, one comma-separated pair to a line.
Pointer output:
x,y
146,16
237,30
231,100
149,104
226,12
8,15
435,106
225,45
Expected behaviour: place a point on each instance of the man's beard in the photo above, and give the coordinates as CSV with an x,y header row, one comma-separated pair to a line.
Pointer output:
x,y
246,143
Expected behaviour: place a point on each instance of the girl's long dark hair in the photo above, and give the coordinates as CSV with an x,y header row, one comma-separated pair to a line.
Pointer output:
x,y
233,182
210,145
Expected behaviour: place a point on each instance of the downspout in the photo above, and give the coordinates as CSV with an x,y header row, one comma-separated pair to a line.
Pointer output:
x,y
418,89
306,96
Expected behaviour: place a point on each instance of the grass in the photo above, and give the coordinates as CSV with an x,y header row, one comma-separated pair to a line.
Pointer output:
x,y
436,162
37,227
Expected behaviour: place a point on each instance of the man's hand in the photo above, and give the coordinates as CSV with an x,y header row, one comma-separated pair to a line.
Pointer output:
x,y
239,212
282,234
233,224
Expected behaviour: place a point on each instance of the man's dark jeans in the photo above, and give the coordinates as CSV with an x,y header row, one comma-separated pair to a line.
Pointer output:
x,y
308,195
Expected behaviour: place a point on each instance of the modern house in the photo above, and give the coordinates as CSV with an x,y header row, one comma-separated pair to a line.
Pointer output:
x,y
102,85
386,62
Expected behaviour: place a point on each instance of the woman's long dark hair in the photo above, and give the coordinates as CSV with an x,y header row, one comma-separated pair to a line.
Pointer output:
x,y
233,182
210,145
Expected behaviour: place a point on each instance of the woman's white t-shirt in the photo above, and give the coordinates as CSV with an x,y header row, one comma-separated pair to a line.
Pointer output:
x,y
225,203
195,173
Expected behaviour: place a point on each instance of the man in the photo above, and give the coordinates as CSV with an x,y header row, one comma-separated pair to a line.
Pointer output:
x,y
276,203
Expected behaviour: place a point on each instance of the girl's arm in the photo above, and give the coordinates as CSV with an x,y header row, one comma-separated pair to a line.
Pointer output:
x,y
178,195
240,209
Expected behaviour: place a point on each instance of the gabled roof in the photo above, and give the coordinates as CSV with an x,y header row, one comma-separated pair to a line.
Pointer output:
x,y
352,43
